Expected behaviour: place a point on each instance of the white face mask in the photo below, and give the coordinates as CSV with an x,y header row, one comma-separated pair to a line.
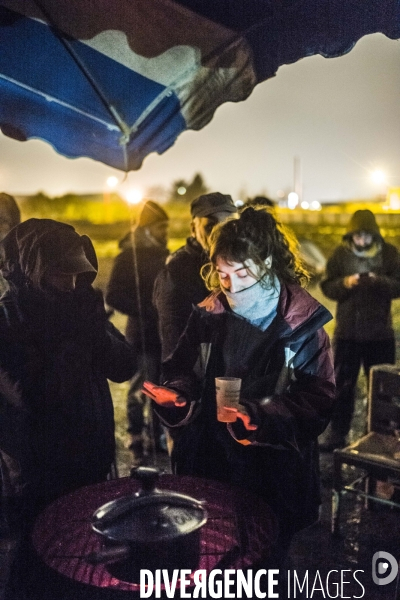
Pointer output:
x,y
256,301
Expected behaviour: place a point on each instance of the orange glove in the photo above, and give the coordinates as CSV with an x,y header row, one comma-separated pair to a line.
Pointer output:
x,y
163,396
242,414
351,280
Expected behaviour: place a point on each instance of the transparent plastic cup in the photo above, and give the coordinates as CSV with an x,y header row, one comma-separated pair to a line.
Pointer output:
x,y
228,395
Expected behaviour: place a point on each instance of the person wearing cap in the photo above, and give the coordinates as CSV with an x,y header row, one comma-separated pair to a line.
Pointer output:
x,y
57,350
363,277
179,286
10,216
150,238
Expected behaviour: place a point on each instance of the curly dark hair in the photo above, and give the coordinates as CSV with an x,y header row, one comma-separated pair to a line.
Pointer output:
x,y
255,235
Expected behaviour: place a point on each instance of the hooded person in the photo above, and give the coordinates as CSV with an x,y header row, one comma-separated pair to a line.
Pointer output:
x,y
130,293
57,350
363,277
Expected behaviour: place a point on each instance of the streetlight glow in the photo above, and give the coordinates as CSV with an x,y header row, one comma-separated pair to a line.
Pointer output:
x,y
293,200
112,182
134,196
378,176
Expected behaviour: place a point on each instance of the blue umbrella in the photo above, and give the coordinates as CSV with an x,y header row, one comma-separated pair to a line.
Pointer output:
x,y
115,80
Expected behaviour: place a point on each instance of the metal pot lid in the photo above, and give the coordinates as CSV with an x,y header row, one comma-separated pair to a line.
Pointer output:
x,y
150,515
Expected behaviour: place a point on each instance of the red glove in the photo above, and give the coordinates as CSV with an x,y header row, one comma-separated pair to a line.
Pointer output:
x,y
242,414
163,396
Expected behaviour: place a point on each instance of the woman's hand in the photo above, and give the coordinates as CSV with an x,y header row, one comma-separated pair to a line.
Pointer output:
x,y
242,414
163,396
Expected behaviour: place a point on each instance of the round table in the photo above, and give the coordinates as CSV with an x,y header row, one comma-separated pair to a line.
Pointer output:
x,y
240,530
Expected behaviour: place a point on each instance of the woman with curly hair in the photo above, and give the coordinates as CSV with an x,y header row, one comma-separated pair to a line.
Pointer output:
x,y
260,325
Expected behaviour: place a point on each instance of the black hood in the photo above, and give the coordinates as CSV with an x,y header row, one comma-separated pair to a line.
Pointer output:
x,y
362,220
37,244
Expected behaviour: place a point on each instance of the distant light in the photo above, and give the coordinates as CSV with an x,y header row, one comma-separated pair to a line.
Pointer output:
x,y
112,182
305,205
378,176
134,196
280,194
315,205
293,200
394,201
238,203
181,190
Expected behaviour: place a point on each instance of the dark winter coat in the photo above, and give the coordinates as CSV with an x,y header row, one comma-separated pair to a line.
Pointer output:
x,y
287,387
178,288
56,353
363,312
122,291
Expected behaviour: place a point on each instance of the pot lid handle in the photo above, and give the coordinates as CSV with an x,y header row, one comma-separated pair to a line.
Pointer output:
x,y
148,476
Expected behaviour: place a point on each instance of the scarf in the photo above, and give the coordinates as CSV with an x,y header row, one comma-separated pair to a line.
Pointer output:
x,y
257,303
369,252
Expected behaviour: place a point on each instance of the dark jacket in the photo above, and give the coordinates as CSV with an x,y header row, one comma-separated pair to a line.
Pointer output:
x,y
56,352
122,291
363,312
178,288
287,386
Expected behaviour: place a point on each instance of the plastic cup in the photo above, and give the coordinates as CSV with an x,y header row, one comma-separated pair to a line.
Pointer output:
x,y
228,394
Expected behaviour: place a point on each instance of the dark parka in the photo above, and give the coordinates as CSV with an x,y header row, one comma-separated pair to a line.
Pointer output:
x,y
177,289
56,353
287,387
122,293
363,312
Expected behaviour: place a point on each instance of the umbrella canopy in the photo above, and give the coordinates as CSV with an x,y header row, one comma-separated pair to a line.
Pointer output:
x,y
115,80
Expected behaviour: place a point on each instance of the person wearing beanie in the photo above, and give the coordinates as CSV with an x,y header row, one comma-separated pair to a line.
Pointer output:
x,y
152,213
150,237
179,286
363,277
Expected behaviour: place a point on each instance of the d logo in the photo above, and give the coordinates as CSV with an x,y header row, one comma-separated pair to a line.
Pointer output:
x,y
384,564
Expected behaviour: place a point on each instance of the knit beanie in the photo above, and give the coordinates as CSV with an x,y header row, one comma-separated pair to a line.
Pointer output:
x,y
151,213
362,220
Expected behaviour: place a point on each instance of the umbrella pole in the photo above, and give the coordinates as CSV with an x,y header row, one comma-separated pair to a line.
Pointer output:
x,y
147,401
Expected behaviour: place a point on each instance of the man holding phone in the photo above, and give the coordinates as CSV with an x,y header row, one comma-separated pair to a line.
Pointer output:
x,y
363,276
